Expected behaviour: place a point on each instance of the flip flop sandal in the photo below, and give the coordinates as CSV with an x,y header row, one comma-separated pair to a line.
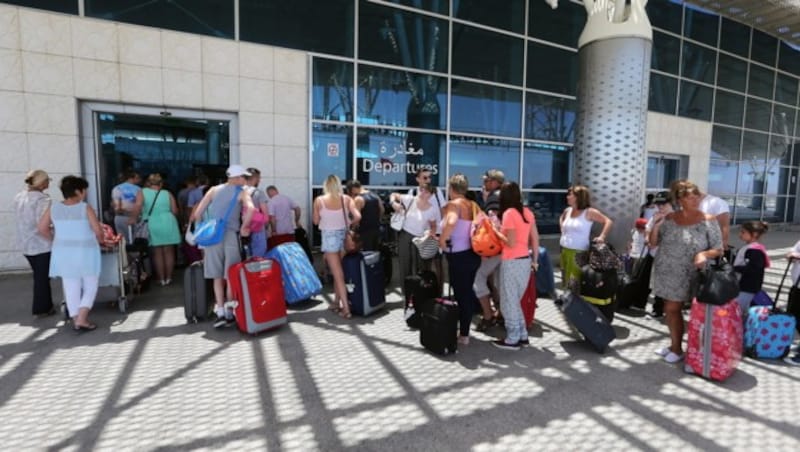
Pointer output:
x,y
83,328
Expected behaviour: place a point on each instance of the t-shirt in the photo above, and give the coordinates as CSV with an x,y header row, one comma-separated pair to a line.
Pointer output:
x,y
418,221
512,221
796,263
714,206
649,211
125,194
637,242
281,208
195,196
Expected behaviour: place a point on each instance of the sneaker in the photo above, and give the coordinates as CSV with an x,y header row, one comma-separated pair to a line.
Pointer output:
x,y
500,343
463,340
673,358
484,325
220,322
662,352
523,342
793,360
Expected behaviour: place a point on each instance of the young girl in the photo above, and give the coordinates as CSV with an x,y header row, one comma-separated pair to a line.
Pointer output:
x,y
750,262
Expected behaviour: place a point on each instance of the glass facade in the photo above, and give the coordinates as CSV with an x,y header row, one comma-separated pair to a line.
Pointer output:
x,y
468,85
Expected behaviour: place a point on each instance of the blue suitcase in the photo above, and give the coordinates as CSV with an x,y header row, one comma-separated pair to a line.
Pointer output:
x,y
588,320
363,276
768,333
545,280
300,281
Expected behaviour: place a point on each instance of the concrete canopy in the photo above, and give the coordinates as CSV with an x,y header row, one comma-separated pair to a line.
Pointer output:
x,y
780,18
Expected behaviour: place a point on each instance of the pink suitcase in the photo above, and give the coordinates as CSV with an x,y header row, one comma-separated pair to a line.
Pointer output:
x,y
258,290
715,340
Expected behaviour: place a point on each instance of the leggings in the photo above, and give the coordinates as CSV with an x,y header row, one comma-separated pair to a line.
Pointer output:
x,y
79,293
462,268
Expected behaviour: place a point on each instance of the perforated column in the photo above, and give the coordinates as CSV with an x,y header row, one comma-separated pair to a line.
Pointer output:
x,y
610,152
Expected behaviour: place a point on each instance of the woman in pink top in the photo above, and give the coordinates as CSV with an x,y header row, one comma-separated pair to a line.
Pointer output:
x,y
519,235
334,212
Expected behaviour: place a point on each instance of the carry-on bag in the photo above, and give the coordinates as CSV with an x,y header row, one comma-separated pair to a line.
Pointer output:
x,y
715,340
528,301
545,280
634,288
256,286
300,280
587,319
196,292
419,292
363,276
768,331
439,330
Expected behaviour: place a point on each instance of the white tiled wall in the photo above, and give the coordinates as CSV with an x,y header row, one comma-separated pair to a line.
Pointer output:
x,y
693,140
50,62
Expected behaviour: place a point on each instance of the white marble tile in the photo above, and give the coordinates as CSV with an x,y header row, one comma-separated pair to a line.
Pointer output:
x,y
47,74
255,128
12,111
56,153
291,98
256,61
94,39
183,88
181,51
291,162
16,144
139,45
9,27
45,32
11,70
290,66
256,95
51,114
261,157
220,92
220,56
13,261
140,84
96,79
291,131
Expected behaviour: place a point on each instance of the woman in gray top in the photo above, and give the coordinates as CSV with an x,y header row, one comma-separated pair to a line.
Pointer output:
x,y
686,240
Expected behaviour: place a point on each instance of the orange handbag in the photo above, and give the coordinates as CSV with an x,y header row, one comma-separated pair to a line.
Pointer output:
x,y
485,241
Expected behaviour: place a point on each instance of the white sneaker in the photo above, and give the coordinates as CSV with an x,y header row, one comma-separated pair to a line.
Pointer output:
x,y
673,358
662,352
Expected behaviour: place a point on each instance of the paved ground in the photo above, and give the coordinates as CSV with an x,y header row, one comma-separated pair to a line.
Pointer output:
x,y
149,381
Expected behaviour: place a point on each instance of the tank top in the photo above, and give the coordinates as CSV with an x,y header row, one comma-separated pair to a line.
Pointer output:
x,y
575,232
331,219
219,206
370,214
460,238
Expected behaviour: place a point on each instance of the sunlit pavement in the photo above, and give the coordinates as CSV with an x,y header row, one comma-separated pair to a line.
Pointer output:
x,y
149,381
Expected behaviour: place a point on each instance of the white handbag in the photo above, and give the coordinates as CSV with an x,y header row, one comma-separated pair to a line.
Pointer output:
x,y
398,219
427,245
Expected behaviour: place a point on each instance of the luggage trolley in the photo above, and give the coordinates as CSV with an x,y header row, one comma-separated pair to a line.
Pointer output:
x,y
115,276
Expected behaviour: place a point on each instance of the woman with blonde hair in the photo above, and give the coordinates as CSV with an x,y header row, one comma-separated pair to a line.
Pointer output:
x,y
334,213
686,240
159,210
30,205
455,241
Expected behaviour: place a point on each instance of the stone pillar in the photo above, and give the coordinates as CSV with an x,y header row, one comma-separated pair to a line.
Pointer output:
x,y
610,154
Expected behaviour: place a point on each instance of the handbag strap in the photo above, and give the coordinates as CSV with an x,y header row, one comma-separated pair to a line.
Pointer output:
x,y
232,204
152,206
783,279
344,214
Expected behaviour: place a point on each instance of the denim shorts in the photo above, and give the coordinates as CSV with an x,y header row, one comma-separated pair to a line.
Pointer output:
x,y
332,240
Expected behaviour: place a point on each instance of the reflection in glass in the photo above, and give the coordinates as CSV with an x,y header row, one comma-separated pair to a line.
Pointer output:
x,y
779,180
546,166
735,37
732,73
666,53
500,59
722,176
392,157
748,207
435,6
699,63
782,120
472,156
764,48
327,27
550,118
729,108
786,89
544,62
331,152
665,15
725,143
695,101
563,25
757,114
547,208
778,209
789,59
779,150
511,16
402,38
663,93
401,98
59,6
761,81
701,25
332,90
485,109
205,17
754,146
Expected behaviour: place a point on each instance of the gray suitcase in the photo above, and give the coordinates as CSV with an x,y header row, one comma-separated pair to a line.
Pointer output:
x,y
588,320
196,290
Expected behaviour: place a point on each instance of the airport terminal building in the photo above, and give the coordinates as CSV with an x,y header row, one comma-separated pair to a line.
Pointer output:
x,y
375,89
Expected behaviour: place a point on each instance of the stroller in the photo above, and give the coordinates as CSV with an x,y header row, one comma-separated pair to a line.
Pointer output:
x,y
137,272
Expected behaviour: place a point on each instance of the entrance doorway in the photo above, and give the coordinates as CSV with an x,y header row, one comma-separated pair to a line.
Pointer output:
x,y
662,170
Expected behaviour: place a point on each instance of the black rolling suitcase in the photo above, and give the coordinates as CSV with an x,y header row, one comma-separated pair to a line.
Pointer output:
x,y
196,291
363,275
587,319
419,291
439,330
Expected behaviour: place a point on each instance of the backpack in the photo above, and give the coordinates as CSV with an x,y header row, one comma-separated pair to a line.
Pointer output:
x,y
485,241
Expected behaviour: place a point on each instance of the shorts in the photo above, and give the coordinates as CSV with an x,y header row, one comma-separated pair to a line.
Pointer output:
x,y
332,240
222,256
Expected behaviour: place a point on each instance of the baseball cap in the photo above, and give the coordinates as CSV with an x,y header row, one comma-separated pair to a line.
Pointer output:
x,y
662,197
236,171
641,223
495,174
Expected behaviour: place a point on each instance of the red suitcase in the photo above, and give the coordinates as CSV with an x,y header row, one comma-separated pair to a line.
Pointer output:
x,y
258,290
715,340
528,301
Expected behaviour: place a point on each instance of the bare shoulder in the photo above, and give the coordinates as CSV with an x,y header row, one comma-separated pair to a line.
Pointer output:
x,y
709,217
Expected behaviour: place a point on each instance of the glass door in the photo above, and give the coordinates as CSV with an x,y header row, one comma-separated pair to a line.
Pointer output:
x,y
661,171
